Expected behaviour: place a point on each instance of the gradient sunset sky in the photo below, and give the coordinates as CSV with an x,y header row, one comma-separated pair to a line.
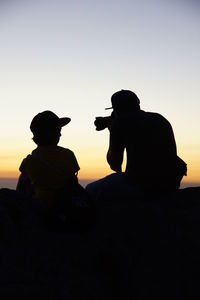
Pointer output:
x,y
71,56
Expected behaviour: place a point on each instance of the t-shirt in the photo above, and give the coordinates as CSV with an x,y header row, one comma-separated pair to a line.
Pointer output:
x,y
49,168
149,142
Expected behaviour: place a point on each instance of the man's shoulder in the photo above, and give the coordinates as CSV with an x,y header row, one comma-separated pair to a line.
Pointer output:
x,y
139,117
151,114
155,116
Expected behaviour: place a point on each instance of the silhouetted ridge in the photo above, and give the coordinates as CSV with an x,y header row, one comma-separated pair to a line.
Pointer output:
x,y
138,249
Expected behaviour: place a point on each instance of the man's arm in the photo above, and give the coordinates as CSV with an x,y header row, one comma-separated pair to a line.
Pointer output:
x,y
116,147
115,159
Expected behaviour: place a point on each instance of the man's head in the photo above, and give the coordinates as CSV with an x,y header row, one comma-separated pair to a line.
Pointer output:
x,y
124,101
46,127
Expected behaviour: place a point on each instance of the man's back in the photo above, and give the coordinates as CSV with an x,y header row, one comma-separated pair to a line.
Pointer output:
x,y
148,134
150,145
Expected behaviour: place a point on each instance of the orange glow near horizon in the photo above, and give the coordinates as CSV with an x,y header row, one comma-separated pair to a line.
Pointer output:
x,y
92,161
99,168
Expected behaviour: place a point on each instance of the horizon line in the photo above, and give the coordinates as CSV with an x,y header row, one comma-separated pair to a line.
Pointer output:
x,y
10,182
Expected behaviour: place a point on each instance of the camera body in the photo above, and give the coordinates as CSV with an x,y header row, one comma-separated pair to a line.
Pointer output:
x,y
103,122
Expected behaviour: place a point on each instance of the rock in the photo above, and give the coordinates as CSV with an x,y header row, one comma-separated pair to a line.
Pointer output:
x,y
138,249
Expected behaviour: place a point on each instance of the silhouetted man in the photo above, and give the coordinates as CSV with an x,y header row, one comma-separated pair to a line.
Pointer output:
x,y
152,161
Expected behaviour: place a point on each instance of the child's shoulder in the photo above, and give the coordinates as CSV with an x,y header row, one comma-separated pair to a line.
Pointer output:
x,y
63,150
25,162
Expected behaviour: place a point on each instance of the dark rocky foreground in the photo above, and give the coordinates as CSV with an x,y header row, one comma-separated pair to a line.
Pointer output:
x,y
137,249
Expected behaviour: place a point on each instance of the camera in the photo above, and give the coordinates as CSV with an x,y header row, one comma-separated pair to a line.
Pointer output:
x,y
104,122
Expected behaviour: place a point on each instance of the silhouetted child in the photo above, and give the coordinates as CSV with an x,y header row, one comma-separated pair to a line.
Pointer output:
x,y
49,168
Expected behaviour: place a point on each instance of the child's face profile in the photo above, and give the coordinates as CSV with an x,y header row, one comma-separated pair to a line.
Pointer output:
x,y
50,138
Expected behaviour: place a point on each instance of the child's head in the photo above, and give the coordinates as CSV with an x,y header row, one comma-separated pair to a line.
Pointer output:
x,y
46,127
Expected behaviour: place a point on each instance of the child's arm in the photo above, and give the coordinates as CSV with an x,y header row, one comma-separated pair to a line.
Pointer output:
x,y
24,185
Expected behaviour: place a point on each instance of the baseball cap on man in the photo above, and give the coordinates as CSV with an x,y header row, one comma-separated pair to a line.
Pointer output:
x,y
124,99
46,121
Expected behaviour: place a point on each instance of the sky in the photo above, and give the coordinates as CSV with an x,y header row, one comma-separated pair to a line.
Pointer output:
x,y
71,56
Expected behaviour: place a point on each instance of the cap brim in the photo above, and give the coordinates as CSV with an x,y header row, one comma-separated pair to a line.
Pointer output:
x,y
64,121
108,108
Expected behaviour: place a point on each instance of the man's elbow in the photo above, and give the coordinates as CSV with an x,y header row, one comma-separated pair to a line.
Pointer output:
x,y
115,166
116,169
114,161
